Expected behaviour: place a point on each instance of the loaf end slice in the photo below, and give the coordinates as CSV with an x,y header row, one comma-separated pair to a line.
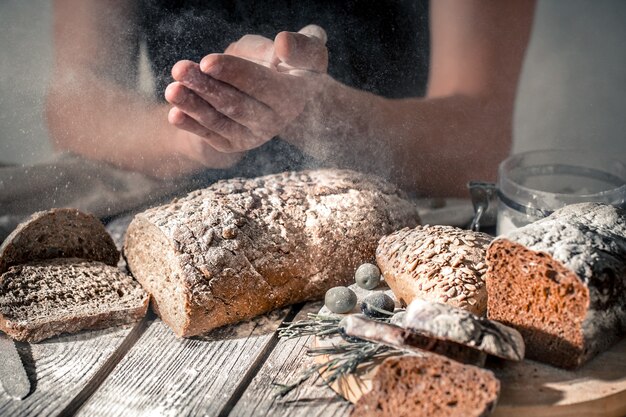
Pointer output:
x,y
429,385
561,282
58,233
42,299
437,263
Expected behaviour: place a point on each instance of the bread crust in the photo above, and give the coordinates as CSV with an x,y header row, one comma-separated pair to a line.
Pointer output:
x,y
243,247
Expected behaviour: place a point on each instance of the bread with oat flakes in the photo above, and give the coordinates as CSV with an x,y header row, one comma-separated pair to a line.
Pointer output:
x,y
436,263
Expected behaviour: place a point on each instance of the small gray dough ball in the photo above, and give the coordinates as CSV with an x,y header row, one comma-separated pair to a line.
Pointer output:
x,y
367,276
340,300
373,303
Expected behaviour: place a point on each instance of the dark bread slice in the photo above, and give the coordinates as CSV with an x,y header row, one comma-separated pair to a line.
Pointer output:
x,y
58,233
243,247
46,298
561,281
429,385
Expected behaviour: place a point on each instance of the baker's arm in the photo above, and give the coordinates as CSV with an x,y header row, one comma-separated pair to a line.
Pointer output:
x,y
460,130
434,145
93,107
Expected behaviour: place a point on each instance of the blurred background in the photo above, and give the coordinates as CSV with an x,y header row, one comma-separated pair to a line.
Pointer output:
x,y
572,92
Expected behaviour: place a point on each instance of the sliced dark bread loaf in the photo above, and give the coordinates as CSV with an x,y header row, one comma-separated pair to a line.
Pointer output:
x,y
58,233
429,385
42,299
561,282
436,263
243,247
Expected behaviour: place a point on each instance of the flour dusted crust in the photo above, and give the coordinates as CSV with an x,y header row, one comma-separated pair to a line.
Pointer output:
x,y
561,282
436,263
460,326
246,246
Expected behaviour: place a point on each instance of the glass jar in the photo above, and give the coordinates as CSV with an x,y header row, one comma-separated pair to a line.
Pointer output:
x,y
532,185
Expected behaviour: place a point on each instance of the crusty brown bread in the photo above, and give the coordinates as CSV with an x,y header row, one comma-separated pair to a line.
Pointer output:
x,y
429,385
46,298
454,324
356,325
243,247
436,263
58,233
561,282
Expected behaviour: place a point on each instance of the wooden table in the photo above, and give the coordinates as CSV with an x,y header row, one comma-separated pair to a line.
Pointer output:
x,y
144,370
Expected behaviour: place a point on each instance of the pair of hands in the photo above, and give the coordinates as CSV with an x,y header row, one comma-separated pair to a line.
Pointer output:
x,y
238,100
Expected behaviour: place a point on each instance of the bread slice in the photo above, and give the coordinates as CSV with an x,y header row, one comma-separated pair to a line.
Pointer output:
x,y
243,247
457,325
355,325
46,298
437,263
58,233
560,281
429,385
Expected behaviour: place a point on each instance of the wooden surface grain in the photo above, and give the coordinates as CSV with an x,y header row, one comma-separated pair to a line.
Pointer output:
x,y
533,389
598,389
284,365
64,370
163,375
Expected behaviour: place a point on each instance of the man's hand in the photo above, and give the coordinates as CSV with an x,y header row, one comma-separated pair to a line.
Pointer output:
x,y
239,100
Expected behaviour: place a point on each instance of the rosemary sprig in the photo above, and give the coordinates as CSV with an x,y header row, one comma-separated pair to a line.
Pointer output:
x,y
316,325
344,358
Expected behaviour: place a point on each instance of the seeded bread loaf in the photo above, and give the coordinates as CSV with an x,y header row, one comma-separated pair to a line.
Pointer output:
x,y
429,385
58,233
46,298
561,282
436,263
243,247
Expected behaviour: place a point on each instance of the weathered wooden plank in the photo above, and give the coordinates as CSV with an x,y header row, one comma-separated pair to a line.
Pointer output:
x,y
167,376
65,370
284,365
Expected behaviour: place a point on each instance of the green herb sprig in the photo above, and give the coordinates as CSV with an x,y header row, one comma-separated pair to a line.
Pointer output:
x,y
344,358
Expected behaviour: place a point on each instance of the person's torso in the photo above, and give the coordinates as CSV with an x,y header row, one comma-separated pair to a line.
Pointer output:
x,y
379,46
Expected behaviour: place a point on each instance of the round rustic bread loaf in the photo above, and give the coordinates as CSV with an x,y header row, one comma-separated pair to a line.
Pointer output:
x,y
436,263
58,233
243,247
